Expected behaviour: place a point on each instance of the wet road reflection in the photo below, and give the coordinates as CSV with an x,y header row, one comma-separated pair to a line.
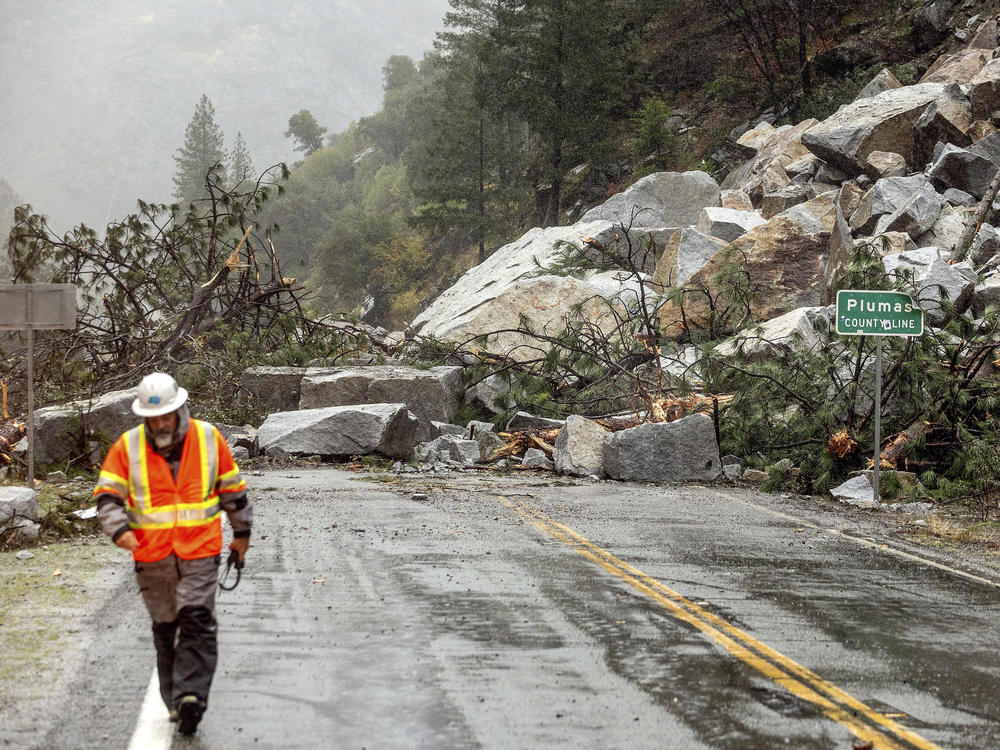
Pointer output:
x,y
594,615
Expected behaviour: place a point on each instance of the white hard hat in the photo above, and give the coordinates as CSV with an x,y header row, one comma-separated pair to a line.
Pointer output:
x,y
158,394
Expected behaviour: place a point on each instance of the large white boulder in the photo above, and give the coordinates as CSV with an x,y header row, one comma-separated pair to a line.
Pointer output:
x,y
679,451
801,329
775,149
579,447
662,199
957,67
857,491
727,224
931,280
456,307
884,122
544,305
968,169
63,432
883,81
891,194
683,255
274,389
984,93
915,217
431,395
947,230
388,429
19,513
18,503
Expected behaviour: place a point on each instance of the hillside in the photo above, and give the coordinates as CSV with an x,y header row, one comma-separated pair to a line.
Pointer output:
x,y
406,200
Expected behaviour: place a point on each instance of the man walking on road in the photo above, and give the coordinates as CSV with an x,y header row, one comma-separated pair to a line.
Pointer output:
x,y
160,495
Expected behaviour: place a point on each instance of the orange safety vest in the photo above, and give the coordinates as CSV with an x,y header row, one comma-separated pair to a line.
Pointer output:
x,y
182,516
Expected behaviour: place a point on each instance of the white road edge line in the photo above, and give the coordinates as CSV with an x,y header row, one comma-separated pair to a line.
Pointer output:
x,y
153,729
865,542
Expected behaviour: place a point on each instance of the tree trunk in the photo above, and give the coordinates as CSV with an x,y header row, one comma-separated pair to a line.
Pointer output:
x,y
481,230
555,192
898,446
804,12
541,203
961,250
552,219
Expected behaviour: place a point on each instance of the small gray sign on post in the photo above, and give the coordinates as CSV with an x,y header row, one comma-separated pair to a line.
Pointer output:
x,y
26,307
38,306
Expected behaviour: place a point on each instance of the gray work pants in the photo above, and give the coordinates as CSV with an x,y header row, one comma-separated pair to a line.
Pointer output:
x,y
180,597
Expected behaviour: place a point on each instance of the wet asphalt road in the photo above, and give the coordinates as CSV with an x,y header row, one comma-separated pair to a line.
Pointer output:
x,y
581,615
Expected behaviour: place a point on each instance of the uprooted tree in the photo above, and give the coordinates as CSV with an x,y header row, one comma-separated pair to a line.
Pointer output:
x,y
808,399
196,291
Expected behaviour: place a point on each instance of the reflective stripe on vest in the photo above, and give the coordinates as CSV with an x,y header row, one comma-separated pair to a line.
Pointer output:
x,y
110,482
210,458
142,514
231,481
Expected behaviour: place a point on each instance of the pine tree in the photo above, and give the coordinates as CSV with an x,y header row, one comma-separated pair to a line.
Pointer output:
x,y
203,149
391,129
240,163
9,200
399,72
570,69
544,79
308,133
463,160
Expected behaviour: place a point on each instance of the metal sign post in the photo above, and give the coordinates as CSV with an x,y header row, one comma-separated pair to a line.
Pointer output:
x,y
30,362
862,312
878,416
36,306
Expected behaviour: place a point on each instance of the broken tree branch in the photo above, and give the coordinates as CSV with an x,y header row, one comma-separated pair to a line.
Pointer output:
x,y
899,445
961,250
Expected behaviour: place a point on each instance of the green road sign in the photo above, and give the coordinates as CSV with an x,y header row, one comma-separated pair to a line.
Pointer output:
x,y
861,312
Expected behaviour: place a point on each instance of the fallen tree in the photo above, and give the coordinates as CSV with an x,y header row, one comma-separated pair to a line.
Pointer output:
x,y
194,290
808,399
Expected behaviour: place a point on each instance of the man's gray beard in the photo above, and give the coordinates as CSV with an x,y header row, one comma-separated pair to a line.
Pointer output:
x,y
164,438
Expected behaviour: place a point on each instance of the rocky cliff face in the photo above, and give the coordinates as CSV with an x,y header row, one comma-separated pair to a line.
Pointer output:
x,y
901,167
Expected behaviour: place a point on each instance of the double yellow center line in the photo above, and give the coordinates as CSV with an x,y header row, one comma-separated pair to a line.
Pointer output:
x,y
866,723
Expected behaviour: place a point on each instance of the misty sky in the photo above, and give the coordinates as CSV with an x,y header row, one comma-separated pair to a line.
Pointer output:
x,y
95,94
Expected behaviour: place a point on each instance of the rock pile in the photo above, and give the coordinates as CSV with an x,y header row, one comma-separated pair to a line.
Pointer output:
x,y
905,164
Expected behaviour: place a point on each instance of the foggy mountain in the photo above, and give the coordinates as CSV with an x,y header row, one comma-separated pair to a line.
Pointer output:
x,y
95,96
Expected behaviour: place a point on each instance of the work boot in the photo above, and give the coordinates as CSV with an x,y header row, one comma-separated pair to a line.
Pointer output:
x,y
189,711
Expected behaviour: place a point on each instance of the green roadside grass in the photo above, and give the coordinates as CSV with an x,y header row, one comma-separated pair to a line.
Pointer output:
x,y
46,605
